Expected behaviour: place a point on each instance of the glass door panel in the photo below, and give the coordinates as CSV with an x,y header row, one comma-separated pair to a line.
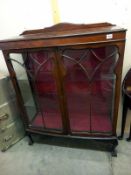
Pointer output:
x,y
77,96
38,68
77,91
89,87
103,92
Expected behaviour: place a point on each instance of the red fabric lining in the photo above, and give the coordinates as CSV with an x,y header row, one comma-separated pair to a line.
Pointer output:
x,y
78,122
49,120
89,103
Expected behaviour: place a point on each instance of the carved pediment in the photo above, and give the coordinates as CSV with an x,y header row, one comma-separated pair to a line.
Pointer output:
x,y
66,27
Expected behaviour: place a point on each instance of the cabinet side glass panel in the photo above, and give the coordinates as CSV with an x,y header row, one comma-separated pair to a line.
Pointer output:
x,y
24,85
40,92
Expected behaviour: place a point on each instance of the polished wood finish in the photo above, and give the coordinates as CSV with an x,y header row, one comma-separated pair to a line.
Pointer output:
x,y
63,35
56,38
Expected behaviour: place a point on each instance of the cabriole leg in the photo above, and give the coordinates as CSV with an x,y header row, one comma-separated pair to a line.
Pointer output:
x,y
113,148
30,139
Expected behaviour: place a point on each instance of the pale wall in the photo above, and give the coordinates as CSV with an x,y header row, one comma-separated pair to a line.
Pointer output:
x,y
19,15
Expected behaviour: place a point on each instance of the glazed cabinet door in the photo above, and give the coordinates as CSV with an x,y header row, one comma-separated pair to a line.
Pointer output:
x,y
37,78
89,86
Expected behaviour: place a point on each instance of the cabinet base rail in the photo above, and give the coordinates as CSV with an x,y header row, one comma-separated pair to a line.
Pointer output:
x,y
95,143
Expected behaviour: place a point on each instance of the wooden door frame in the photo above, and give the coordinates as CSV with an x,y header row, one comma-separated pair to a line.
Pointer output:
x,y
118,72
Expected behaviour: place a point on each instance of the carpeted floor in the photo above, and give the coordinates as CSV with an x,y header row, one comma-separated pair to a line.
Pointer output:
x,y
53,157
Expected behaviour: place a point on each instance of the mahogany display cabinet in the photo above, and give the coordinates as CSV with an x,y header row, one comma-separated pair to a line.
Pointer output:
x,y
67,79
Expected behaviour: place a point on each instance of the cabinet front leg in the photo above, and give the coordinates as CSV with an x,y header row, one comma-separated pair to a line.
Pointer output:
x,y
30,142
113,148
114,152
